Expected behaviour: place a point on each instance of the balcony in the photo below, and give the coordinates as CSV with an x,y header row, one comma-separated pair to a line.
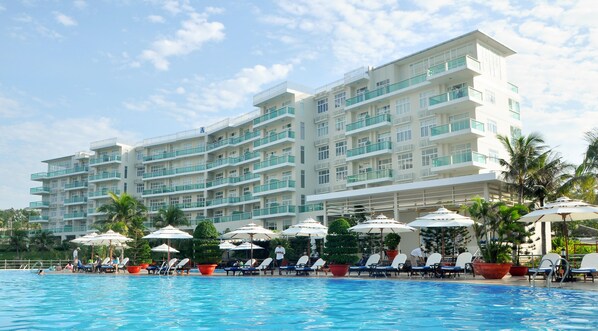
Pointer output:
x,y
103,193
190,151
456,70
105,159
75,186
159,156
274,187
39,204
39,176
222,182
223,219
248,137
274,163
222,202
462,130
275,211
94,212
40,190
60,173
105,176
311,207
39,219
370,177
185,206
368,123
75,216
455,101
282,113
165,190
463,162
248,198
75,201
386,91
175,172
217,145
248,178
273,139
379,148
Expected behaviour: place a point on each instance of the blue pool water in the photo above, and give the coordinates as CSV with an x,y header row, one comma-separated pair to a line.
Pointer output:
x,y
76,302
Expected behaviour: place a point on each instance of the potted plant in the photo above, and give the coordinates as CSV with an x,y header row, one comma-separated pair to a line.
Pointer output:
x,y
341,247
207,253
518,234
139,249
392,241
491,229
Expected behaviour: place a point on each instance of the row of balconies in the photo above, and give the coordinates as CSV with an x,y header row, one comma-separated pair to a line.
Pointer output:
x,y
59,173
217,183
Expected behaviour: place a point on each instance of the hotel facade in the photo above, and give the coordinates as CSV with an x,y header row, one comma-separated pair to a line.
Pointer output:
x,y
402,139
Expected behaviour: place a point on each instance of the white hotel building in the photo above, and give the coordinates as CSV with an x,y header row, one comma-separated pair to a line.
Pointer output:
x,y
401,139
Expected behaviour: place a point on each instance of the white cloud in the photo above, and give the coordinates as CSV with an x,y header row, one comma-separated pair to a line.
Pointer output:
x,y
80,4
155,19
64,19
9,108
194,32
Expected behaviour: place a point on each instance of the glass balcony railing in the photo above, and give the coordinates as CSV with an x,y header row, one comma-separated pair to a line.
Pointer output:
x,y
103,192
39,190
311,207
105,175
274,161
514,88
39,175
223,181
273,138
218,144
274,114
379,146
369,121
456,94
74,200
248,176
159,156
178,188
274,186
386,89
244,138
190,151
58,173
274,210
457,126
228,218
75,185
75,215
222,201
105,159
458,158
370,175
464,61
39,204
39,218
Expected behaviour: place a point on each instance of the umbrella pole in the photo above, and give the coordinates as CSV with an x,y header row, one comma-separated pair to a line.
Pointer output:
x,y
251,243
566,237
442,229
308,248
381,242
168,250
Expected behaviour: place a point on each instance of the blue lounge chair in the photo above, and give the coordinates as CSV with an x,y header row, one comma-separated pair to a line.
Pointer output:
x,y
262,267
84,267
547,266
305,270
300,263
239,268
432,264
369,265
588,267
462,264
168,268
396,266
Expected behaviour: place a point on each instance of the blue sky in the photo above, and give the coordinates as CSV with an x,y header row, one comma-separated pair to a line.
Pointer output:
x,y
73,72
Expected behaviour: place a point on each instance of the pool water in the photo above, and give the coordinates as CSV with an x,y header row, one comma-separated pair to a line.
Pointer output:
x,y
76,302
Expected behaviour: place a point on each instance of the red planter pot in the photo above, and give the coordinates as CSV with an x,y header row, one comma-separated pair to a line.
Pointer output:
x,y
144,265
392,253
207,269
518,270
491,270
134,269
339,270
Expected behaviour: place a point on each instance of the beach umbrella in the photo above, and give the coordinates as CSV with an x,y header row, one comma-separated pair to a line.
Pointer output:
x,y
226,245
164,249
562,210
85,240
109,238
308,228
381,224
246,246
442,218
250,231
168,232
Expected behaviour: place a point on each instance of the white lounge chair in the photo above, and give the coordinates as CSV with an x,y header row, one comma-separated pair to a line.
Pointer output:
x,y
588,267
547,266
168,268
305,270
370,264
239,268
300,263
262,267
432,263
396,266
182,267
461,265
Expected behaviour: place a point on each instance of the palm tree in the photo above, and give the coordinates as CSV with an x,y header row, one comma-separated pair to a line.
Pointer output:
x,y
43,240
172,215
121,211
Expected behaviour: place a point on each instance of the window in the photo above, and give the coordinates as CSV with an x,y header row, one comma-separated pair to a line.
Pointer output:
x,y
384,164
363,141
383,110
493,156
287,200
323,153
187,199
174,201
302,154
126,171
514,106
403,106
302,178
490,97
428,155
302,130
492,126
405,161
384,136
140,171
341,148
322,106
515,132
341,173
403,133
339,124
139,188
426,127
339,100
423,99
361,90
324,176
125,187
287,175
322,129
382,83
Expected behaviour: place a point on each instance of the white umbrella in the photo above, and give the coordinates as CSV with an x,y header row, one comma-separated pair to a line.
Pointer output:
x,y
164,249
563,210
109,238
442,218
246,246
382,224
250,231
84,239
168,232
308,228
226,245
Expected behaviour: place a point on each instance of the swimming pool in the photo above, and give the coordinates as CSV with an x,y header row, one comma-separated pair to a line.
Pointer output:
x,y
29,301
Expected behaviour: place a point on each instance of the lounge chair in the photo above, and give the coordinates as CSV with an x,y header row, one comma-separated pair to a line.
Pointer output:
x,y
547,266
152,269
432,264
262,267
588,267
369,265
84,267
182,266
239,268
123,265
462,264
396,266
300,263
168,268
305,270
107,266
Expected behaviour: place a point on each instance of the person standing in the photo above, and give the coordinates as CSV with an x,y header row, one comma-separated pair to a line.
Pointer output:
x,y
280,252
76,258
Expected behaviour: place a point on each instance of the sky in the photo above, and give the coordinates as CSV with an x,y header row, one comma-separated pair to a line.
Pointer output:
x,y
74,72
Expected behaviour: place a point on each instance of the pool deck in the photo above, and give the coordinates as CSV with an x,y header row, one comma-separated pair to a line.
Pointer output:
x,y
579,284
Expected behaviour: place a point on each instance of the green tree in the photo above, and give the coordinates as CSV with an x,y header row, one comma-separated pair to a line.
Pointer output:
x,y
206,243
121,211
43,240
139,250
341,245
172,215
18,240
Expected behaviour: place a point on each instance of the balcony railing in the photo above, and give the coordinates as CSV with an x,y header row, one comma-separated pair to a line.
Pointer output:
x,y
39,218
105,175
102,192
369,121
457,126
228,218
274,114
274,137
275,210
386,89
379,146
456,94
39,204
370,175
274,186
458,158
311,207
464,61
58,173
274,161
75,215
39,190
74,200
178,188
75,185
105,159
